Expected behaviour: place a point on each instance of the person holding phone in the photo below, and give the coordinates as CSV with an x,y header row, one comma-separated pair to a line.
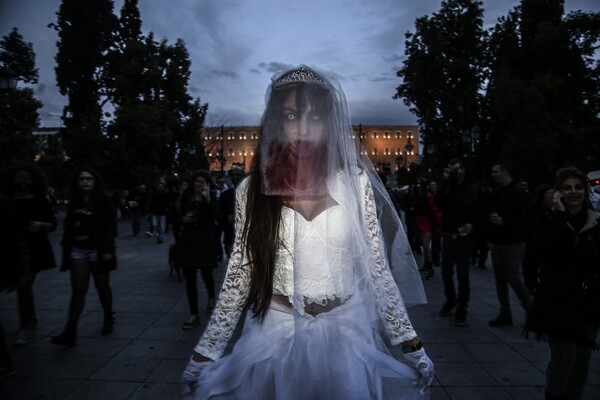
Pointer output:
x,y
566,305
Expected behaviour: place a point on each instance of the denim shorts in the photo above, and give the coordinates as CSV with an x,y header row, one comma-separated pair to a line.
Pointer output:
x,y
90,255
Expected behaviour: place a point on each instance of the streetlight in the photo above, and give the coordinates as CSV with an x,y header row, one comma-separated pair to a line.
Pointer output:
x,y
409,147
8,79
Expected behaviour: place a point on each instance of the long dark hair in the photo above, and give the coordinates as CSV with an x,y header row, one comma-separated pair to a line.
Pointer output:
x,y
97,193
188,194
38,179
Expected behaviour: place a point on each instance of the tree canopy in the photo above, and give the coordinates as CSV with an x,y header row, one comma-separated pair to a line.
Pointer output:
x,y
529,84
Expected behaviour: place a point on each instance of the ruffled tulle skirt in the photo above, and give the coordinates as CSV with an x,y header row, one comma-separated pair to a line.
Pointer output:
x,y
287,356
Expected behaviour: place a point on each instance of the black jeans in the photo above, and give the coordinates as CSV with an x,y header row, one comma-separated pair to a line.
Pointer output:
x,y
190,275
456,251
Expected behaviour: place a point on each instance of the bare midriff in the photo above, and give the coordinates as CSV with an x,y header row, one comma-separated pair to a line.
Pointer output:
x,y
312,308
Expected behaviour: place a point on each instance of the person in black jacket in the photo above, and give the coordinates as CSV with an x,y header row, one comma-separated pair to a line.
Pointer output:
x,y
459,202
506,228
88,249
566,305
196,248
25,187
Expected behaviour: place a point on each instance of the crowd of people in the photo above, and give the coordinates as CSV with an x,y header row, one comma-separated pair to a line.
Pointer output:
x,y
322,258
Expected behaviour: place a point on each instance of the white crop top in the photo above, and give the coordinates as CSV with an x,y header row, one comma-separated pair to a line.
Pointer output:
x,y
317,280
310,263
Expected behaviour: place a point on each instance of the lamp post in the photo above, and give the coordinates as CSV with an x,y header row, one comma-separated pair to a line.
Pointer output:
x,y
409,147
222,159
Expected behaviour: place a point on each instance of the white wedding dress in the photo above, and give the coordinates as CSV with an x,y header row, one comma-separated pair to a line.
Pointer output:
x,y
292,354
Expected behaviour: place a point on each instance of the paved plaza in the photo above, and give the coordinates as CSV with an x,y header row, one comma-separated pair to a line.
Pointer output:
x,y
145,355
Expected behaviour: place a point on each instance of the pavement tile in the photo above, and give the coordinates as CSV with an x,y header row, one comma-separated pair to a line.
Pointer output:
x,y
144,356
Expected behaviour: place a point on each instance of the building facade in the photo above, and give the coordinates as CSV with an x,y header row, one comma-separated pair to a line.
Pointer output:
x,y
389,147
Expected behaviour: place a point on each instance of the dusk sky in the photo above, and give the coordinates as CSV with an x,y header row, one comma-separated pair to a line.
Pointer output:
x,y
236,46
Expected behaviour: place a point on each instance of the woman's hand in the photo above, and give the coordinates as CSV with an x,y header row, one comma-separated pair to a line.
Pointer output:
x,y
192,373
557,204
107,257
424,365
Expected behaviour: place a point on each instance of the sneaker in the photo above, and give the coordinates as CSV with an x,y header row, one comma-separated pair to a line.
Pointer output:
x,y
501,320
5,372
447,308
460,319
22,338
211,305
149,234
193,320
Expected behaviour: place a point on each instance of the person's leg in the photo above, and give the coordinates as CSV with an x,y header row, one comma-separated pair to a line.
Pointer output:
x,y
436,242
26,301
191,289
136,221
190,277
560,367
80,278
448,260
513,267
6,363
579,376
102,283
499,254
426,244
463,258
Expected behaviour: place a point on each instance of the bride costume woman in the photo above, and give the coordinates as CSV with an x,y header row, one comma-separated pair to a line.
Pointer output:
x,y
320,263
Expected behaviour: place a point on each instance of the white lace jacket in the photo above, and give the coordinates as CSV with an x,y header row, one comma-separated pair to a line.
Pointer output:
x,y
236,285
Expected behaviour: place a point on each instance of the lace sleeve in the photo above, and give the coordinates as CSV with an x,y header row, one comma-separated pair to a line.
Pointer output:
x,y
388,298
234,291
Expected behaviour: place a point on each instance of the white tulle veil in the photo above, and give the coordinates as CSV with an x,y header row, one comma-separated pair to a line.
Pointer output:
x,y
330,163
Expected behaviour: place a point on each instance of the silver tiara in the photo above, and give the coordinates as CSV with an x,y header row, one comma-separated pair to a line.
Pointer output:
x,y
300,75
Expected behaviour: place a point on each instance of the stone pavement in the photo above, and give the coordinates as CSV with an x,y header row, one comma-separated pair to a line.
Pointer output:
x,y
145,355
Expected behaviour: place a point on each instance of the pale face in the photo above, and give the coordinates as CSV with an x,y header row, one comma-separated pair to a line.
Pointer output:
x,y
573,191
200,185
86,181
304,125
497,173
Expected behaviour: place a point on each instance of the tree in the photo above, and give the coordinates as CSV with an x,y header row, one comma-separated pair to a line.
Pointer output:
x,y
18,107
442,77
85,32
156,125
541,98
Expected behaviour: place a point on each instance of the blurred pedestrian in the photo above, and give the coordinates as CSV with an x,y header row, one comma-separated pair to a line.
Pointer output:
x,y
567,298
12,258
89,249
196,248
227,209
136,203
436,235
25,187
427,219
158,207
540,214
459,201
507,231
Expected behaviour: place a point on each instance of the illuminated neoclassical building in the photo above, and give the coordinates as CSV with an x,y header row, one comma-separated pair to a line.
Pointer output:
x,y
388,146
